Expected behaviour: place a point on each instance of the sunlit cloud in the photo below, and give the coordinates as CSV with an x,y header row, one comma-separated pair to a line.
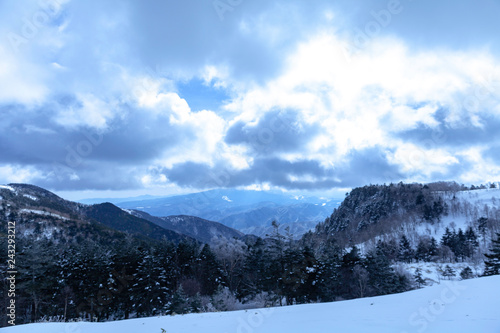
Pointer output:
x,y
293,89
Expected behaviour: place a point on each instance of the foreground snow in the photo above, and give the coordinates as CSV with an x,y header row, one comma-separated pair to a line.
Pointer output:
x,y
456,306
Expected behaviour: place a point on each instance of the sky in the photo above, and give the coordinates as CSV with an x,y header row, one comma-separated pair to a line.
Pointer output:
x,y
121,98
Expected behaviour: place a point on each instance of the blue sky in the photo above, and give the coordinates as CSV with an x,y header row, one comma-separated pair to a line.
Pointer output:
x,y
119,98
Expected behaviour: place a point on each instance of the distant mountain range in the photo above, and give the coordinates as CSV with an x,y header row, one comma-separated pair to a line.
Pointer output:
x,y
239,209
92,201
185,217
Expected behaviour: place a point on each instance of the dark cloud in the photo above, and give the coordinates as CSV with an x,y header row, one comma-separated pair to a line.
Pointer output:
x,y
89,176
134,136
183,36
368,166
264,170
363,167
85,157
276,131
444,24
463,135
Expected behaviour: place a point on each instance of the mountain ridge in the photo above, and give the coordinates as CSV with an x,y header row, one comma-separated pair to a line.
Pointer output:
x,y
24,199
239,209
195,227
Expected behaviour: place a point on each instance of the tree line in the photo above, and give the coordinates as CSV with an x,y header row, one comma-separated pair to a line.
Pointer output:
x,y
135,278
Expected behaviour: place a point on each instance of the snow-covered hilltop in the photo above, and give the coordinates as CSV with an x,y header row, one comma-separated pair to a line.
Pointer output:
x,y
385,212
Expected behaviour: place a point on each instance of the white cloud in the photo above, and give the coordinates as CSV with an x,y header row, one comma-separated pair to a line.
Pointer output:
x,y
93,112
17,174
22,82
414,159
481,169
368,99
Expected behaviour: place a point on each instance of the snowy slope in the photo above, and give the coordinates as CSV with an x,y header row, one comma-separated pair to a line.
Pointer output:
x,y
432,271
464,306
481,197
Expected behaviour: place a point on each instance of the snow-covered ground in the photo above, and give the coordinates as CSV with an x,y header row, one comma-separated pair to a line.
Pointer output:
x,y
432,271
481,197
41,212
30,197
7,187
452,306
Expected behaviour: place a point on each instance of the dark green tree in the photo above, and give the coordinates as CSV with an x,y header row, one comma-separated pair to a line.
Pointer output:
x,y
448,238
471,242
208,271
406,252
329,262
179,303
423,247
448,272
389,249
300,276
466,273
347,284
492,262
419,279
382,278
254,271
433,249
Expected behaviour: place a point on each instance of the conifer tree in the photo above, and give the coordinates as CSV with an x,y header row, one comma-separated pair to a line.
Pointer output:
x,y
381,275
459,245
423,249
209,274
466,273
492,262
447,238
346,283
388,249
254,270
179,303
185,258
433,249
329,261
471,242
406,253
277,250
419,279
448,272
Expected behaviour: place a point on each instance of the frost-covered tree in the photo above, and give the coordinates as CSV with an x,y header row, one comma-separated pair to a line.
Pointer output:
x,y
231,254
